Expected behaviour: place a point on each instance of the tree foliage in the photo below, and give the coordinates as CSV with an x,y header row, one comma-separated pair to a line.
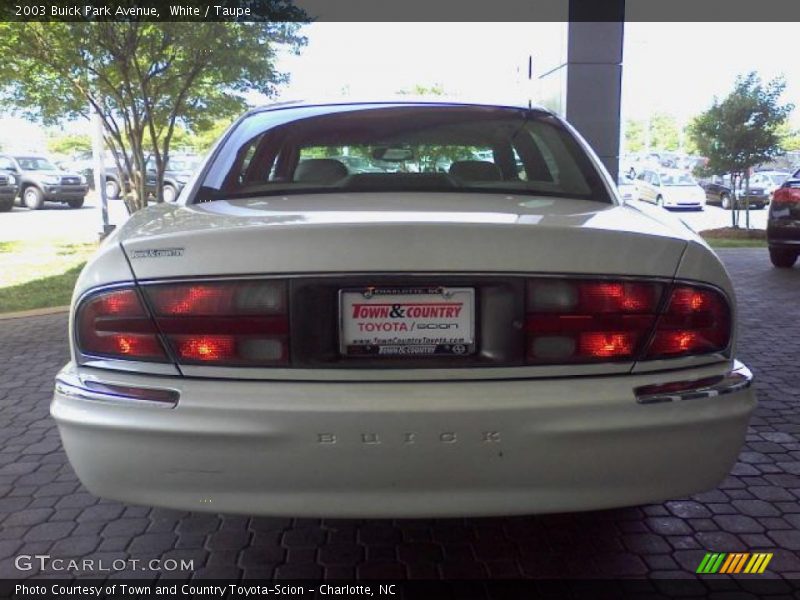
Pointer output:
x,y
70,144
144,78
743,129
635,140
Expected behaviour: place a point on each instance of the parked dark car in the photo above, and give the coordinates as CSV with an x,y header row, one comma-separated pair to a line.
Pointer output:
x,y
720,191
84,165
40,180
8,190
783,224
178,171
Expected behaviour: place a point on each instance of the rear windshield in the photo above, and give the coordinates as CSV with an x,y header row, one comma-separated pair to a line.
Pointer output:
x,y
377,148
677,179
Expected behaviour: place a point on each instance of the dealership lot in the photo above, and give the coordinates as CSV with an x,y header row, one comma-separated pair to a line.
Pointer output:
x,y
44,510
59,220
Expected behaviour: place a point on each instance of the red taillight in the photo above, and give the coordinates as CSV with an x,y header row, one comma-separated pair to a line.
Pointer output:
x,y
786,196
575,321
224,323
696,321
580,321
206,348
115,324
602,344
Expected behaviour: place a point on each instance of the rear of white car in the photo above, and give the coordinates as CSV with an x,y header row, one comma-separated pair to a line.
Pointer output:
x,y
379,344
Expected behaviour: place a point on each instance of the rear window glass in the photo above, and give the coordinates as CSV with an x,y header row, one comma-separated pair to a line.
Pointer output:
x,y
677,179
395,148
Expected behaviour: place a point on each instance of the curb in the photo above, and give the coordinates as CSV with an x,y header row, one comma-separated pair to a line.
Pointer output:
x,y
36,312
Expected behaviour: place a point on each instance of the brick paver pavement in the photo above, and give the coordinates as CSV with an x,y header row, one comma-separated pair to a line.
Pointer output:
x,y
44,510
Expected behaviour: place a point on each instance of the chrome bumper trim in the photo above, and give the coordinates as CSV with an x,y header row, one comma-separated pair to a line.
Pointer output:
x,y
737,379
71,385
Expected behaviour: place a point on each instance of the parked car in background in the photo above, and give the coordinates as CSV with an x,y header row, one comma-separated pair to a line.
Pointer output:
x,y
177,172
783,224
290,338
85,166
626,187
719,190
769,180
8,189
40,180
670,189
633,164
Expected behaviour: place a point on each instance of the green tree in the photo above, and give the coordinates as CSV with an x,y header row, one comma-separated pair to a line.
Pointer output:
x,y
202,140
143,78
635,140
664,132
742,131
69,144
790,138
423,90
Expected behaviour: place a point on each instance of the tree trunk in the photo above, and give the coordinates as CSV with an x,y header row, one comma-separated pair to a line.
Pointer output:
x,y
747,199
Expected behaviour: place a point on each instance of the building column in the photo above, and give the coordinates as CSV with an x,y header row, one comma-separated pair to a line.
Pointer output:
x,y
585,86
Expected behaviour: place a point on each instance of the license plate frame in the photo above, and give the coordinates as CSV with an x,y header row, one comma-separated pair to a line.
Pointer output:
x,y
439,321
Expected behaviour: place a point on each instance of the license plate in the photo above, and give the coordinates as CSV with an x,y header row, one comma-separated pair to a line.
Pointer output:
x,y
407,322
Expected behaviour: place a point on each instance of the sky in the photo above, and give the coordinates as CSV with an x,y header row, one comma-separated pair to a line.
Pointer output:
x,y
675,68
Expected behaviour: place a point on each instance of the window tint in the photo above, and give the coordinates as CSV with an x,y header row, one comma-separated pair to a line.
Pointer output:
x,y
401,148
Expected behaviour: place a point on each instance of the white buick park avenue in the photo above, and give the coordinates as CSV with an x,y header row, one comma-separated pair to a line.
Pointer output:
x,y
402,309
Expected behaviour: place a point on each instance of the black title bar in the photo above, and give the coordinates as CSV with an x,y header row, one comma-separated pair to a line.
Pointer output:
x,y
710,11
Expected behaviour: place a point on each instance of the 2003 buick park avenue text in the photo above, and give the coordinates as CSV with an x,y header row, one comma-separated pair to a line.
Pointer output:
x,y
465,321
89,11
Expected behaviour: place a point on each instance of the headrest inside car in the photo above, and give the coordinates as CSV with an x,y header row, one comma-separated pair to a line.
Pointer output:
x,y
320,170
476,170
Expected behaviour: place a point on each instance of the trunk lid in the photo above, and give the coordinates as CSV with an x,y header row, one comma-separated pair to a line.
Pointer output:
x,y
403,232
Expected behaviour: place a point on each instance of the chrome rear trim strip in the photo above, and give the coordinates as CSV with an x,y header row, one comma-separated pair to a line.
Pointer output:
x,y
737,379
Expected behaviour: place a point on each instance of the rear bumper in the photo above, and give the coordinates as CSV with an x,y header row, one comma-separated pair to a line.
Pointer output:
x,y
783,233
684,203
354,449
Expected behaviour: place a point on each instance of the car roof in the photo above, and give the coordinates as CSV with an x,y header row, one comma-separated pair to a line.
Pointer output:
x,y
408,99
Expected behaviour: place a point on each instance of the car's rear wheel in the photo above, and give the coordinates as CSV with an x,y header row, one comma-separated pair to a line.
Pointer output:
x,y
75,202
33,198
660,201
6,205
783,259
725,200
169,193
112,189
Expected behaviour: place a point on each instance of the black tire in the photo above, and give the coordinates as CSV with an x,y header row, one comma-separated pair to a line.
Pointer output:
x,y
660,201
783,259
169,193
75,202
725,201
112,189
33,198
6,205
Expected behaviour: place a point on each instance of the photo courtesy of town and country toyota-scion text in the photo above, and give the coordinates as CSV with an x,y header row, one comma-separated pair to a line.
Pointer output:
x,y
337,298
